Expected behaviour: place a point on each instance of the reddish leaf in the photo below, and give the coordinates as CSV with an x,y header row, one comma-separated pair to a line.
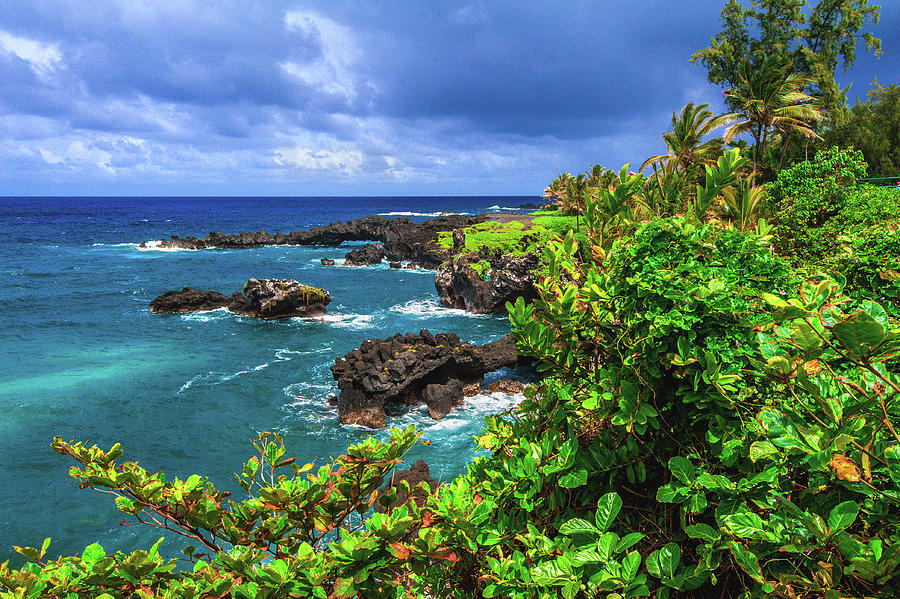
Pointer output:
x,y
427,519
447,555
400,551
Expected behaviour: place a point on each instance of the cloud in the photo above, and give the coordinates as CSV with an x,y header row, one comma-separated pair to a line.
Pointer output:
x,y
343,161
346,96
331,70
43,58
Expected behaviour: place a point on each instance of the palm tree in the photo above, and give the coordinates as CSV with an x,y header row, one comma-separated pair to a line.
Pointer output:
x,y
769,98
558,190
686,149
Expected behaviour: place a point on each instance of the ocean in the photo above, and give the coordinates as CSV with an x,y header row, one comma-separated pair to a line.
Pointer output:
x,y
84,358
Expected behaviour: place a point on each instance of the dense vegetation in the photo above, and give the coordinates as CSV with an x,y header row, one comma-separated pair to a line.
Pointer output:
x,y
718,413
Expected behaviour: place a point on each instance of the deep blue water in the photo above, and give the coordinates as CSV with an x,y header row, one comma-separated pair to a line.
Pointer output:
x,y
85,359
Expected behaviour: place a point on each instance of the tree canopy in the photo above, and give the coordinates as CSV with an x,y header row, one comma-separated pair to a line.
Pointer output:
x,y
873,127
815,39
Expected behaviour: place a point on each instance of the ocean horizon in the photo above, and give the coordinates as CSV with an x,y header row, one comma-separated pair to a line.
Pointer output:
x,y
186,393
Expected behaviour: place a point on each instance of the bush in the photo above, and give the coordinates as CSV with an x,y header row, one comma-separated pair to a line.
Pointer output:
x,y
809,203
739,435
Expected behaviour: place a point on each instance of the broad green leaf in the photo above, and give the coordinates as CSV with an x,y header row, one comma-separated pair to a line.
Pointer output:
x,y
860,333
682,469
805,337
747,560
607,509
578,526
629,540
663,563
702,531
745,524
670,493
781,430
630,564
843,515
93,553
606,545
574,479
760,450
697,503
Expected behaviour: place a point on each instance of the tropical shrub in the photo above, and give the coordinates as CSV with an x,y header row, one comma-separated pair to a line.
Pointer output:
x,y
296,534
809,203
740,441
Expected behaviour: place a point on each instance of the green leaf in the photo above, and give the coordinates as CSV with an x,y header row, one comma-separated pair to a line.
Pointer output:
x,y
574,479
760,450
93,553
892,457
747,560
607,509
781,430
578,526
859,333
670,493
702,531
805,337
682,469
745,524
663,563
629,540
842,515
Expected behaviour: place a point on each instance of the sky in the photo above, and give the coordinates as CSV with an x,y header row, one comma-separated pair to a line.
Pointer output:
x,y
349,98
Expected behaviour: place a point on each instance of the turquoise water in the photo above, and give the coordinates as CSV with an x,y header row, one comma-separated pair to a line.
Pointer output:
x,y
85,359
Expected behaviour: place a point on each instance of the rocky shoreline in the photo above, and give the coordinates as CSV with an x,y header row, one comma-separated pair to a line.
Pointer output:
x,y
435,370
403,242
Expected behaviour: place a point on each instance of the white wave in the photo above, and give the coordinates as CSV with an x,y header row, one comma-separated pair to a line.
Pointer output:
x,y
285,354
357,322
420,213
472,410
207,315
429,308
494,207
304,394
116,245
155,245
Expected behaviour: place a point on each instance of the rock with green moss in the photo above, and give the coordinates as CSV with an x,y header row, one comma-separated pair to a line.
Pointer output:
x,y
461,283
268,299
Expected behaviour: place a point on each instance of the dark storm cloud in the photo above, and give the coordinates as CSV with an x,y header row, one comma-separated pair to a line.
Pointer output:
x,y
400,94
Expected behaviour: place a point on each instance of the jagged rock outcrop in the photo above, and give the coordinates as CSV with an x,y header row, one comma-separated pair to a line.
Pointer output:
x,y
271,299
367,255
268,299
189,300
459,286
327,262
403,239
401,369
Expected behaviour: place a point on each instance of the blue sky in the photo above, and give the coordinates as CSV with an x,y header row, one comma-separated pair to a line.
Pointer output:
x,y
253,97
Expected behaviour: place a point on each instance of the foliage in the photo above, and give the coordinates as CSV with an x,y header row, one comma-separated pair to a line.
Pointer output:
x,y
482,268
297,534
749,435
684,142
743,203
870,259
809,203
812,39
873,127
768,98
